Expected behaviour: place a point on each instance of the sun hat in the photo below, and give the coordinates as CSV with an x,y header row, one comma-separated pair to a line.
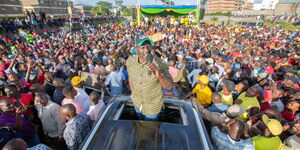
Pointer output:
x,y
76,80
273,125
203,78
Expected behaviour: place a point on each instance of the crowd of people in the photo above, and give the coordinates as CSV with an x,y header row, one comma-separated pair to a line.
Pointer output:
x,y
32,22
272,18
246,79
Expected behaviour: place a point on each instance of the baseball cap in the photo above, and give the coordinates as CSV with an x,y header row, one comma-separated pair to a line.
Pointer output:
x,y
209,60
273,125
96,50
140,39
269,69
76,80
234,110
203,78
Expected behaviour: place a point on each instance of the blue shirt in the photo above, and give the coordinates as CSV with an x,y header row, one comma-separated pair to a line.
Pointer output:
x,y
192,76
76,130
220,107
223,141
115,82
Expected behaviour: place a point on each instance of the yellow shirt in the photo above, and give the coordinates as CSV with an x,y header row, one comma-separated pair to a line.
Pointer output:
x,y
226,99
203,95
267,143
248,102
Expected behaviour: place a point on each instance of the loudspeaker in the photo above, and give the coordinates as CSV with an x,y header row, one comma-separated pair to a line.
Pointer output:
x,y
72,26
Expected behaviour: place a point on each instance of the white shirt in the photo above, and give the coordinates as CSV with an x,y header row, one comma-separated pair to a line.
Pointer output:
x,y
193,75
279,105
53,123
95,110
83,99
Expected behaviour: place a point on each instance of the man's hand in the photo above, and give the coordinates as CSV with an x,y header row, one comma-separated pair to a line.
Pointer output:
x,y
60,139
155,71
238,101
20,110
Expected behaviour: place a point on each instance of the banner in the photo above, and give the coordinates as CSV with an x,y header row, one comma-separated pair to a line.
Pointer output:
x,y
156,37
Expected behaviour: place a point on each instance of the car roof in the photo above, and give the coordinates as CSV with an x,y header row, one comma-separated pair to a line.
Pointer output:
x,y
137,134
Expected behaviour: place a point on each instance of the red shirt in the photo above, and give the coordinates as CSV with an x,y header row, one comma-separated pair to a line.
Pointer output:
x,y
265,106
287,115
40,79
26,99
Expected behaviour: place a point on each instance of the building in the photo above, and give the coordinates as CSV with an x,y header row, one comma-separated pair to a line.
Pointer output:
x,y
248,6
290,7
224,5
50,7
84,10
11,8
265,4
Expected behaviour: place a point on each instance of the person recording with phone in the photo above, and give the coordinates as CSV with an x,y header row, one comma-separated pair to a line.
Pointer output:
x,y
147,76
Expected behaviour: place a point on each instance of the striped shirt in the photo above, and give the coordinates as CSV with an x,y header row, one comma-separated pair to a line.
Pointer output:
x,y
223,141
147,90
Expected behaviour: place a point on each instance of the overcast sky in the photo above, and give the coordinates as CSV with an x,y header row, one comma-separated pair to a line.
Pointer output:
x,y
133,2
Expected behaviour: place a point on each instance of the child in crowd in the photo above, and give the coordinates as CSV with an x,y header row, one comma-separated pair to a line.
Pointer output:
x,y
97,106
69,92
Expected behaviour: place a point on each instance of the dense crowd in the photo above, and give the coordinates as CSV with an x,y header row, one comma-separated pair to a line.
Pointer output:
x,y
32,22
246,80
272,18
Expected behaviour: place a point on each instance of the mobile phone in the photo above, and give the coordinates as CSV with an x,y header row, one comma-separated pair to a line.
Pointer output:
x,y
18,104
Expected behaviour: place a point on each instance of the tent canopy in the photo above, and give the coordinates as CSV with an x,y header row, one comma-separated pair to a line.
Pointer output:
x,y
162,10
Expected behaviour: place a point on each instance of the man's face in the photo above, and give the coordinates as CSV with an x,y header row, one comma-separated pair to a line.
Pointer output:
x,y
40,100
252,92
9,92
143,51
63,114
288,83
7,106
62,60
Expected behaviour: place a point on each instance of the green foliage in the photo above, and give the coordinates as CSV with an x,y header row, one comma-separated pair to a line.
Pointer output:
x,y
168,2
126,11
102,8
203,2
105,4
220,14
13,17
214,19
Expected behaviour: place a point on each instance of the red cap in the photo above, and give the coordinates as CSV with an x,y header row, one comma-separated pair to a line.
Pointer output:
x,y
269,69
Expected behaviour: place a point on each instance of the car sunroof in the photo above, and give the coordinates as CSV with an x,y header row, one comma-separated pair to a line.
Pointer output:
x,y
170,114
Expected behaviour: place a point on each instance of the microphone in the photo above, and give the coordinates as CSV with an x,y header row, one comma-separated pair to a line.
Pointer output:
x,y
149,60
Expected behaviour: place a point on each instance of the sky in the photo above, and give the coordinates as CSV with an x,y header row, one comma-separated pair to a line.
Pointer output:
x,y
133,2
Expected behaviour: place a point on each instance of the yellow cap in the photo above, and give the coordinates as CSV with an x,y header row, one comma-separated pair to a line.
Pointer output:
x,y
273,125
203,79
76,80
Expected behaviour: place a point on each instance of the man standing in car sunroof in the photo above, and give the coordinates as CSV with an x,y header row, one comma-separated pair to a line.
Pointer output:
x,y
147,76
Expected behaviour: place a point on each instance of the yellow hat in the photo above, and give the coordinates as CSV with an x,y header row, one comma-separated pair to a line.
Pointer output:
x,y
76,80
203,78
273,125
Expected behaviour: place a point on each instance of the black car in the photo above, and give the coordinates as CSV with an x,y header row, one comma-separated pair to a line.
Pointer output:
x,y
179,127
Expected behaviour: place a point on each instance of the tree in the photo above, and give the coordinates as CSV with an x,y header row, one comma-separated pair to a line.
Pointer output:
x,y
126,11
168,2
102,8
